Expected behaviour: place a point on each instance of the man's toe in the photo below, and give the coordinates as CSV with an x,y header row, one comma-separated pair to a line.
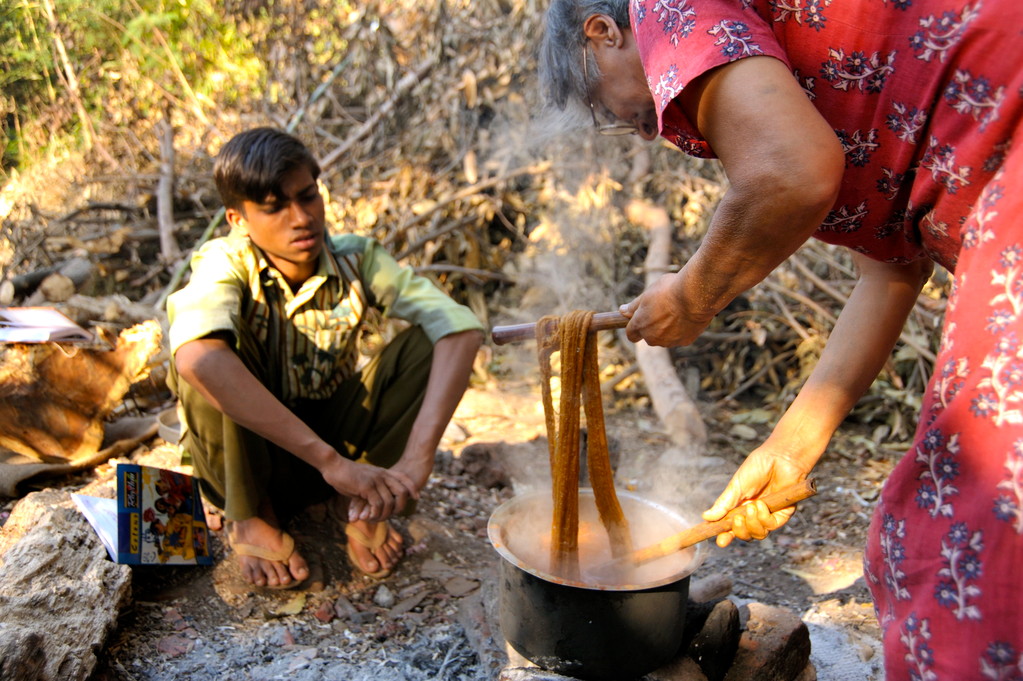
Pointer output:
x,y
253,574
298,569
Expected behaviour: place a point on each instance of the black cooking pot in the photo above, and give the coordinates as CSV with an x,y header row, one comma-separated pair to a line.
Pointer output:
x,y
588,629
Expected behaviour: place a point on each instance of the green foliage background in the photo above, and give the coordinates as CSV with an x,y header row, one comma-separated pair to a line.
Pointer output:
x,y
127,60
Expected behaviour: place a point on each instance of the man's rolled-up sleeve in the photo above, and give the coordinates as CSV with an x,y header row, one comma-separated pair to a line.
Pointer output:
x,y
210,302
403,294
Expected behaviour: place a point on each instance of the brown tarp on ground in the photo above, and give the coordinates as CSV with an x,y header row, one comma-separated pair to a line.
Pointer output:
x,y
54,403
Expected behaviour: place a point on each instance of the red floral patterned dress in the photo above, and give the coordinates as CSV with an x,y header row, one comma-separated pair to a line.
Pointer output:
x,y
926,97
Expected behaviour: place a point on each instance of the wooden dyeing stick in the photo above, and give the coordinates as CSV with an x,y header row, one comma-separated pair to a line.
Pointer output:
x,y
705,530
516,332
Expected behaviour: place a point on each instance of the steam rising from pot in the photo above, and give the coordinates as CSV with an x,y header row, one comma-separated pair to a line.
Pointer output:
x,y
520,530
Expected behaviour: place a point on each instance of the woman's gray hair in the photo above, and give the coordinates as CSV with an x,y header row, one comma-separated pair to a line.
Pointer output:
x,y
559,60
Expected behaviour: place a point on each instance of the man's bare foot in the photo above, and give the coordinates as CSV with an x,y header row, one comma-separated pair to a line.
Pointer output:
x,y
375,548
266,554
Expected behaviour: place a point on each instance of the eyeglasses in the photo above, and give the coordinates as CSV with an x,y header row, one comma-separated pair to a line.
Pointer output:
x,y
608,129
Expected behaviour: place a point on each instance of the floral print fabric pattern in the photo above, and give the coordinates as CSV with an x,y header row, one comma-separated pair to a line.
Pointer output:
x,y
947,537
922,104
926,97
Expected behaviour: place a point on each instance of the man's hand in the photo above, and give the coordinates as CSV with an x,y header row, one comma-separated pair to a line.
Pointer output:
x,y
374,493
417,469
413,473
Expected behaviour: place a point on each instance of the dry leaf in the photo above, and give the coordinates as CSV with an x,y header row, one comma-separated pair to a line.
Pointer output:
x,y
292,607
469,163
469,88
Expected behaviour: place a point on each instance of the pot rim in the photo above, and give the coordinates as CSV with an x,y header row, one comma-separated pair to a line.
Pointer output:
x,y
496,525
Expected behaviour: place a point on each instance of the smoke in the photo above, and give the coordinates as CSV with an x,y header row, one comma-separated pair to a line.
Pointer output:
x,y
570,263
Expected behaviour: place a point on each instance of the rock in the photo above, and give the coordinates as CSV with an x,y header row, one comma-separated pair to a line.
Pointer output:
x,y
710,588
22,654
325,613
774,647
454,434
435,569
531,674
301,659
682,668
478,615
344,609
174,645
408,603
421,530
526,465
714,646
174,618
483,463
60,595
384,597
279,636
460,586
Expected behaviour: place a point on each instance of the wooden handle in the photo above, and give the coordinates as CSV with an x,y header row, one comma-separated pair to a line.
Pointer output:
x,y
694,535
515,332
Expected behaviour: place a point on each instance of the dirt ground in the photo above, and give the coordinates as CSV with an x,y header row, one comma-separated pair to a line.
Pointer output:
x,y
201,623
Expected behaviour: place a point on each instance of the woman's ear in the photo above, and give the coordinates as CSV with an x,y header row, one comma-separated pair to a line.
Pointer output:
x,y
602,31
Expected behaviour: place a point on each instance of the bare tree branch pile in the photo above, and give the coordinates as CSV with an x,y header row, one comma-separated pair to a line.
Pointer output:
x,y
426,120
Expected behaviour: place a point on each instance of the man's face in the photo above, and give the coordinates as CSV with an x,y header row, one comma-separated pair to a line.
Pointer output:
x,y
290,231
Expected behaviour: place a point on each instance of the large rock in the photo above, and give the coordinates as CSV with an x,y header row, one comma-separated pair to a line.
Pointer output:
x,y
531,674
774,647
479,616
60,595
714,646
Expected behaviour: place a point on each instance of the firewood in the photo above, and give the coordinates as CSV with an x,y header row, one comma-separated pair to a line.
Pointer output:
x,y
677,411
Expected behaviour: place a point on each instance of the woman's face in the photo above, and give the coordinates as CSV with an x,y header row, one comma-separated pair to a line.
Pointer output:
x,y
622,89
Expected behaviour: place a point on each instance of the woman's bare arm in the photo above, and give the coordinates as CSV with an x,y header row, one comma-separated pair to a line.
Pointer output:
x,y
784,165
857,349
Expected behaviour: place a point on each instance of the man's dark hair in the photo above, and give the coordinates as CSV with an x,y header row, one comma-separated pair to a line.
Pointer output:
x,y
252,165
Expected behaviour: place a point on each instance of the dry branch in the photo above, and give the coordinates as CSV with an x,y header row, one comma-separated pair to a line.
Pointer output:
x,y
467,271
165,191
673,405
403,86
464,193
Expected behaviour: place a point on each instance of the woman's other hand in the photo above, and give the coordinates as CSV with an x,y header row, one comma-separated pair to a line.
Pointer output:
x,y
767,469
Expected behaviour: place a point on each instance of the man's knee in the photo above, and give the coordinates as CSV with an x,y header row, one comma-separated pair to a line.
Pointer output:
x,y
411,355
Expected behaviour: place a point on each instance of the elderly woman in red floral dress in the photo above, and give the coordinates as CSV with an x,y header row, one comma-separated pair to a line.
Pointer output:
x,y
892,127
